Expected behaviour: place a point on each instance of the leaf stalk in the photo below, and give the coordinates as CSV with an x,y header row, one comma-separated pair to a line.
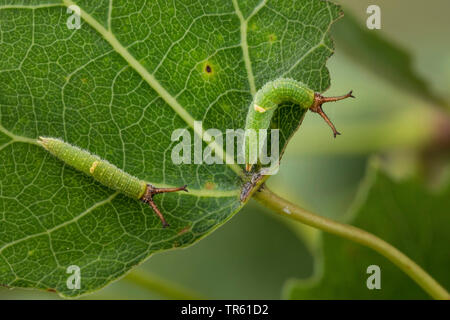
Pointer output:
x,y
408,266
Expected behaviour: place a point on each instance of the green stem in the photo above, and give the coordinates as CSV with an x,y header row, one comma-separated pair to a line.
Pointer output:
x,y
161,286
287,209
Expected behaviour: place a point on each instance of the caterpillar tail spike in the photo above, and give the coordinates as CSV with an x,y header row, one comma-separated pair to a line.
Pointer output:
x,y
319,100
152,191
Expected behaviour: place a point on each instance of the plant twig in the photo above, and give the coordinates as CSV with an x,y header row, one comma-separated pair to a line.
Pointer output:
x,y
288,209
161,286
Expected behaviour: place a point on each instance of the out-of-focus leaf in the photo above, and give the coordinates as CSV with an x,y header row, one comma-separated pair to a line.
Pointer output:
x,y
405,214
382,57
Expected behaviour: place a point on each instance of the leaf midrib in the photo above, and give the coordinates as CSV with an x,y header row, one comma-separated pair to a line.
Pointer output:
x,y
244,44
154,83
143,72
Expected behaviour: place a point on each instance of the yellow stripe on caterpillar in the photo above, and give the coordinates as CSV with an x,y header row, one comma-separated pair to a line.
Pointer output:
x,y
93,166
259,109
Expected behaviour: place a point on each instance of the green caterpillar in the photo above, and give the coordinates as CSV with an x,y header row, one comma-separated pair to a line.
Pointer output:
x,y
106,173
274,93
259,116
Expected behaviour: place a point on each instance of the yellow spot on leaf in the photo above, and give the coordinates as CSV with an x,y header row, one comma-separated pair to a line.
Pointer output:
x,y
209,70
272,38
210,185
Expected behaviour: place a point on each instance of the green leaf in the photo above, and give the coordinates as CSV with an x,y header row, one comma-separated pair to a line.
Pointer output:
x,y
119,86
407,215
383,57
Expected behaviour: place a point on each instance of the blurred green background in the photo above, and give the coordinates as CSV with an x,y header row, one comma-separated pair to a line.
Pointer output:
x,y
255,253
